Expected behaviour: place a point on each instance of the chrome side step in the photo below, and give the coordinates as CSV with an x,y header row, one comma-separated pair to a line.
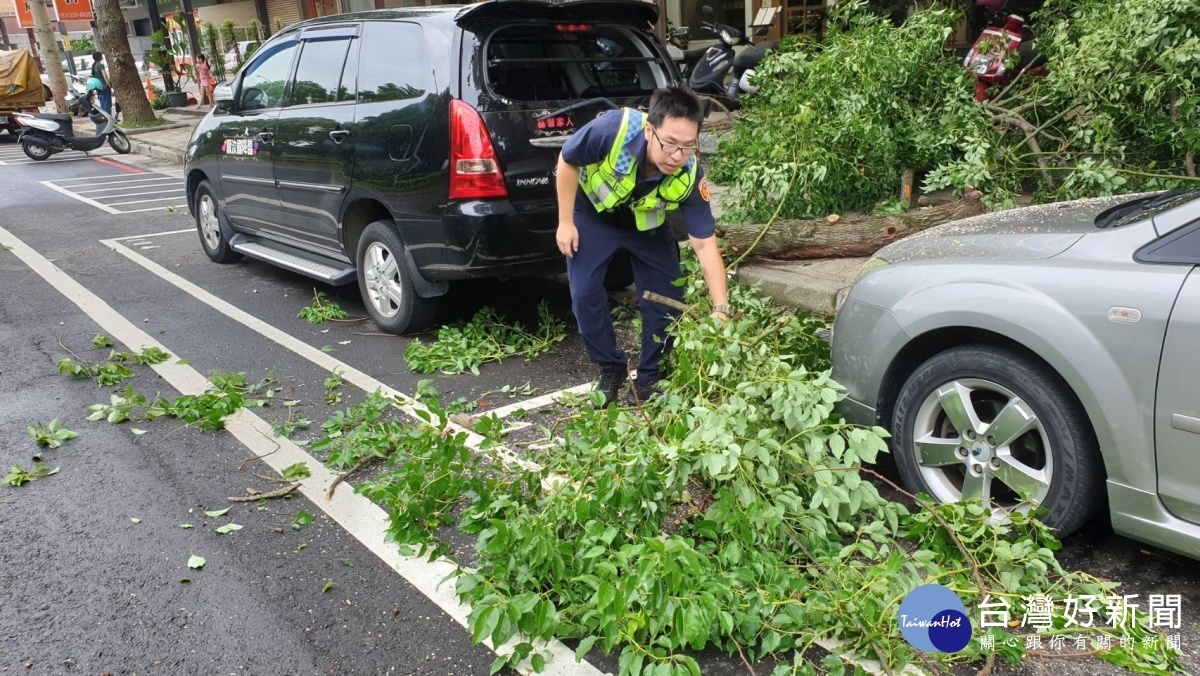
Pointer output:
x,y
286,257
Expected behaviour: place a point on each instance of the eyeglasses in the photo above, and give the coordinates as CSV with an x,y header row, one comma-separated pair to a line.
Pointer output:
x,y
671,149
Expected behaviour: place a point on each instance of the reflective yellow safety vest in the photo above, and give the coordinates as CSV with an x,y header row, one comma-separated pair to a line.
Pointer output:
x,y
609,182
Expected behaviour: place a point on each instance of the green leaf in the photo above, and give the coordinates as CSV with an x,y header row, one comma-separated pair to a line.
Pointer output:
x,y
538,662
135,520
303,518
343,342
347,562
228,528
137,432
218,513
297,471
585,646
102,340
186,526
327,587
196,562
485,624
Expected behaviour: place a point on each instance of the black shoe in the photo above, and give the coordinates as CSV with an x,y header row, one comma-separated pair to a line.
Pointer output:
x,y
640,393
612,377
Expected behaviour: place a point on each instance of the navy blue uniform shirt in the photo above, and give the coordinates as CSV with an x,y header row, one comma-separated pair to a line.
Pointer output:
x,y
593,142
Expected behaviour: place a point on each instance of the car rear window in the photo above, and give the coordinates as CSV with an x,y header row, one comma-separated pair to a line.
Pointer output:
x,y
553,62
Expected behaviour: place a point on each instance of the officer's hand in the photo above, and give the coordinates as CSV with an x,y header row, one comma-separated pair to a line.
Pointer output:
x,y
568,239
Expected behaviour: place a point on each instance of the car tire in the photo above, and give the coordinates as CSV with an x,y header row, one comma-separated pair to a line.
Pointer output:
x,y
212,240
385,283
1044,447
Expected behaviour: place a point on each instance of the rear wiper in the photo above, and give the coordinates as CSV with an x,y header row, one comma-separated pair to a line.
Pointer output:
x,y
600,100
1129,211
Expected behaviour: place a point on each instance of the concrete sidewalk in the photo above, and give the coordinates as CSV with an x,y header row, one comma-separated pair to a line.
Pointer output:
x,y
811,285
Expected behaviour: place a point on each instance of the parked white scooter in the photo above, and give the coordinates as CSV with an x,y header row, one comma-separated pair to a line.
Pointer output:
x,y
43,134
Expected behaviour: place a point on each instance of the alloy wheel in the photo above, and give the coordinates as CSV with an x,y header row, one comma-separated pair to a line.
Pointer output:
x,y
385,288
976,440
210,230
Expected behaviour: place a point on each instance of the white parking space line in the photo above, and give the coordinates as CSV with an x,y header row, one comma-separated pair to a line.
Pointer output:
x,y
322,359
156,199
107,179
145,183
81,198
357,515
110,193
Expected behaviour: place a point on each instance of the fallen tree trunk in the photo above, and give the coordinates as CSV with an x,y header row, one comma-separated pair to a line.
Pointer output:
x,y
842,238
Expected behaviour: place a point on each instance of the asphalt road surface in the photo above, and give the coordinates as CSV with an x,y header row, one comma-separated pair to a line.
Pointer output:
x,y
93,560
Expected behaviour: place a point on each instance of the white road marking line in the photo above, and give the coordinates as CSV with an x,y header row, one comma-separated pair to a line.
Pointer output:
x,y
149,246
90,181
347,372
178,190
81,198
535,403
361,518
130,238
158,208
127,186
501,412
157,199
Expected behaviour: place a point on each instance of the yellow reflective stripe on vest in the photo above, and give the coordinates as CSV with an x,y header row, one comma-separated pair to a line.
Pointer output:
x,y
609,182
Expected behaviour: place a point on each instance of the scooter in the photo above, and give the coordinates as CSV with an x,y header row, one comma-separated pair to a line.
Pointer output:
x,y
1001,51
685,59
44,134
723,73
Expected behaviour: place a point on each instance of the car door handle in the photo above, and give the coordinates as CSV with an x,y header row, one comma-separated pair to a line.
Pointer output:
x,y
1185,423
338,135
265,136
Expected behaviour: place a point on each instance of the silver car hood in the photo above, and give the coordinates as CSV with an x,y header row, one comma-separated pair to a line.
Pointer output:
x,y
1040,231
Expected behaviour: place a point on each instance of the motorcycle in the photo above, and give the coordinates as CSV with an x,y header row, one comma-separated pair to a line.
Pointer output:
x,y
1003,49
677,47
43,135
724,74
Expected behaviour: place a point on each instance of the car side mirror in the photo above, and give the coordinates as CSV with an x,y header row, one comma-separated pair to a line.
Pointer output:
x,y
223,96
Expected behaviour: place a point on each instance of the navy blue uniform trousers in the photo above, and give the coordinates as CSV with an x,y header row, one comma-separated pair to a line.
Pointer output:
x,y
655,258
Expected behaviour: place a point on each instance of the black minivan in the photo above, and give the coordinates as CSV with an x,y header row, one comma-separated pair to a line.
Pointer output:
x,y
408,148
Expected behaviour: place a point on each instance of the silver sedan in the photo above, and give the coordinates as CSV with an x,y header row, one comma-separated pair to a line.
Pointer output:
x,y
1048,355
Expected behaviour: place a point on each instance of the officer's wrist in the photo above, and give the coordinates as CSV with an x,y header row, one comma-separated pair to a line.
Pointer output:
x,y
723,309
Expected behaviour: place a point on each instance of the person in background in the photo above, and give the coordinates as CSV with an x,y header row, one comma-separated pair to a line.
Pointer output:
x,y
100,72
205,78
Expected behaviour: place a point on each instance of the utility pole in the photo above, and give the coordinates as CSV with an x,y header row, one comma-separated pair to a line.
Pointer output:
x,y
3,35
50,54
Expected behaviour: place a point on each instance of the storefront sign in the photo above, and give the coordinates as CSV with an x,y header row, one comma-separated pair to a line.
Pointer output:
x,y
73,10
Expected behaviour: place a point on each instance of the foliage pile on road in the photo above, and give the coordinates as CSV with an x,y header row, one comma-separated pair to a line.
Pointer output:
x,y
732,512
1118,112
486,338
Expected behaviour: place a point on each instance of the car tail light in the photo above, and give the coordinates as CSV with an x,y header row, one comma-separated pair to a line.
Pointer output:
x,y
573,27
474,171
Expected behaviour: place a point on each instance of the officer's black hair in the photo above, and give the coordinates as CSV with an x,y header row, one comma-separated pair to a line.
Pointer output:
x,y
96,56
675,102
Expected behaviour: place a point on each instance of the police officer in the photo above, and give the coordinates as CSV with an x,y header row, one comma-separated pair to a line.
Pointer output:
x,y
618,176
